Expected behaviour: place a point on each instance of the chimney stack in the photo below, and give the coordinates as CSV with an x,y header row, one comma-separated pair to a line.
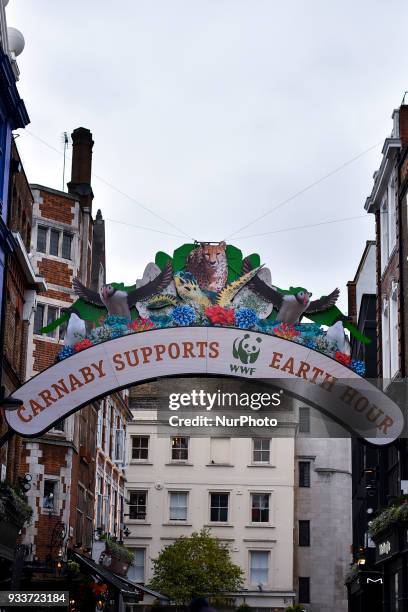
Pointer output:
x,y
80,184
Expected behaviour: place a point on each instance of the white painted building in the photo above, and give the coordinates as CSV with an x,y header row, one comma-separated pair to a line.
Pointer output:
x,y
282,505
242,489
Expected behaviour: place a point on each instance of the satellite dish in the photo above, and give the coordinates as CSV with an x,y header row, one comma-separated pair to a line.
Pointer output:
x,y
16,41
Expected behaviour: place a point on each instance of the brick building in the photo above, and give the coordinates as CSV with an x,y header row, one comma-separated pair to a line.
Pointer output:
x,y
21,286
62,462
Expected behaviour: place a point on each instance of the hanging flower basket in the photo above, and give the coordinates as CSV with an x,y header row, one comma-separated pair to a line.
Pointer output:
x,y
116,558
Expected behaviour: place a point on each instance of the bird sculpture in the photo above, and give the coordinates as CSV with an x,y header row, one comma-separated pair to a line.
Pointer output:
x,y
76,330
189,290
293,305
119,302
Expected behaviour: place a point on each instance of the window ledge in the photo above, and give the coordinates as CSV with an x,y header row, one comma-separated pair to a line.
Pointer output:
x,y
177,524
137,462
136,522
216,524
262,525
219,465
179,463
261,465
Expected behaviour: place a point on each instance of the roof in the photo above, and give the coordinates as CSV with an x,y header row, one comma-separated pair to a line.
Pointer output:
x,y
121,584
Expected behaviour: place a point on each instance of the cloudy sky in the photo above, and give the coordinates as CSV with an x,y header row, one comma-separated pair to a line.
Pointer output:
x,y
212,113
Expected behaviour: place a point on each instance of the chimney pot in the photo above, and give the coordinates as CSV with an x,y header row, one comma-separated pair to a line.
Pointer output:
x,y
80,184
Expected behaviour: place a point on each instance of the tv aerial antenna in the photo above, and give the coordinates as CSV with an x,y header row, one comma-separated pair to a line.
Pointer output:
x,y
65,142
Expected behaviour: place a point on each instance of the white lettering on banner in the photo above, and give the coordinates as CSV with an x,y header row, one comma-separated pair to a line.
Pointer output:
x,y
101,369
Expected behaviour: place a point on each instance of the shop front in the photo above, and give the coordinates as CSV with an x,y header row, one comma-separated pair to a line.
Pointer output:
x,y
392,560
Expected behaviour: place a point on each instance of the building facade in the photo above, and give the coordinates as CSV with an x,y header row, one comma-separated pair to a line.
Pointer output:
x,y
13,115
62,463
242,489
387,202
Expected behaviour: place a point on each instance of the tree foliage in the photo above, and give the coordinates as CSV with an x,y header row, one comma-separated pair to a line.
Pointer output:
x,y
195,566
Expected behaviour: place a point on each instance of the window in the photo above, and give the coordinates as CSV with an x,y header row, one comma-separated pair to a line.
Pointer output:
x,y
393,333
66,246
54,242
39,318
137,505
392,213
384,232
59,243
52,315
304,419
261,450
220,450
304,590
304,473
179,449
99,503
178,505
219,507
304,533
45,315
140,448
107,507
259,565
136,572
50,494
41,239
260,507
119,445
59,426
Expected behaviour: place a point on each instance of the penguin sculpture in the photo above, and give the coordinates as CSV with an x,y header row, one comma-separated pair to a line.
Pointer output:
x,y
76,330
293,305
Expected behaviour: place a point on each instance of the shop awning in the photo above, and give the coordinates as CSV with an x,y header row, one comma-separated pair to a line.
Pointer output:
x,y
128,589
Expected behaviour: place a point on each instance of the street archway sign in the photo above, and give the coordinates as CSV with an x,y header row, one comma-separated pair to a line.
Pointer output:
x,y
116,364
207,311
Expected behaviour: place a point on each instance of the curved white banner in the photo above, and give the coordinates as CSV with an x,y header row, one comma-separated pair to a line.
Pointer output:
x,y
97,371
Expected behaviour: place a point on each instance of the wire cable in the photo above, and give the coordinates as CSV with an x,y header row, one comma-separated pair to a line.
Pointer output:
x,y
307,188
297,227
111,186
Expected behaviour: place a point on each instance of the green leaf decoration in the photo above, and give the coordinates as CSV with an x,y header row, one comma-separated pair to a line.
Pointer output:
x,y
234,258
161,259
49,328
255,260
180,256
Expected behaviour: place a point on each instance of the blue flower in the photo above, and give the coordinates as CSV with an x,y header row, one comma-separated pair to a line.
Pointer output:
x,y
245,318
263,325
358,367
183,315
161,320
116,320
117,333
67,351
310,344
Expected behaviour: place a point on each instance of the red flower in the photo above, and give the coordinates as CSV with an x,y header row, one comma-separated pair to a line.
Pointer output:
x,y
286,331
343,358
141,324
82,344
220,316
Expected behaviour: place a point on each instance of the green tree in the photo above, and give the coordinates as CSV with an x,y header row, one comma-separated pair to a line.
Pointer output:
x,y
195,566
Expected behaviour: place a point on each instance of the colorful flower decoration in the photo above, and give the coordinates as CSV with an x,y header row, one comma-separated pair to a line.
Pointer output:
x,y
83,344
219,315
67,351
183,315
161,320
139,325
343,358
245,318
115,320
285,331
358,367
309,330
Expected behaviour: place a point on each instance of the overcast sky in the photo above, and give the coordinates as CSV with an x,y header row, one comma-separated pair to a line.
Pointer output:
x,y
213,112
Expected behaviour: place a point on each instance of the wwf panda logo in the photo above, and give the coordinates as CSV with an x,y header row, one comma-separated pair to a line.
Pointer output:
x,y
246,349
